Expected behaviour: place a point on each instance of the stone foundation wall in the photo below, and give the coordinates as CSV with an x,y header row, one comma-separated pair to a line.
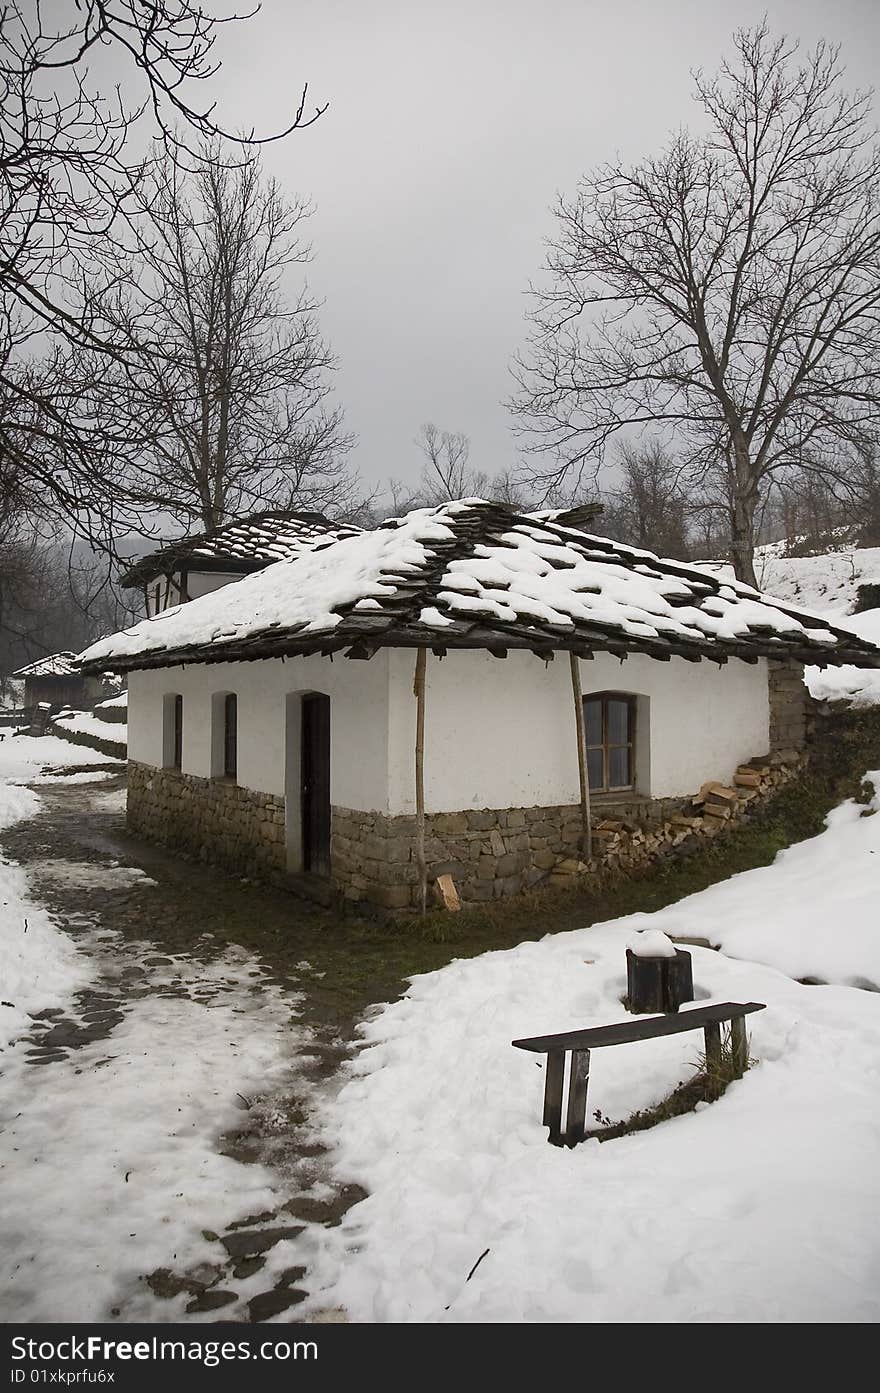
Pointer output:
x,y
494,853
788,706
213,819
490,853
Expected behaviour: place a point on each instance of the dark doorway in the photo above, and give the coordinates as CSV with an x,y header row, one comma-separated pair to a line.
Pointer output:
x,y
315,783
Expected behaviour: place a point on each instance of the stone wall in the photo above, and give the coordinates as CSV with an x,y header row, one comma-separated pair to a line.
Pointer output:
x,y
490,853
493,853
213,819
788,706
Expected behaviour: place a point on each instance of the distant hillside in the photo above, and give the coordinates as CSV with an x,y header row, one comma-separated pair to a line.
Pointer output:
x,y
826,584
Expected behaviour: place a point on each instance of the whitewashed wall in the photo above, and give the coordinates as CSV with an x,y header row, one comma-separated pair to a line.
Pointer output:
x,y
499,733
205,582
358,720
198,583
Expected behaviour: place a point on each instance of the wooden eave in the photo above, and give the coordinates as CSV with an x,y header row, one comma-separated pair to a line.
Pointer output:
x,y
364,635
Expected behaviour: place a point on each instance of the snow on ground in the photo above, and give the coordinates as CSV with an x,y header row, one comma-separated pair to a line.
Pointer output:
x,y
858,686
109,1164
760,1207
84,723
39,966
93,874
826,584
113,802
38,758
812,913
123,1169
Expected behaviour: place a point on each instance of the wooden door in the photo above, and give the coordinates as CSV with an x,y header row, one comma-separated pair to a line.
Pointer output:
x,y
315,779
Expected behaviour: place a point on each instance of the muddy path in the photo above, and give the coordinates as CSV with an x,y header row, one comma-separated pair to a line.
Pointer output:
x,y
153,927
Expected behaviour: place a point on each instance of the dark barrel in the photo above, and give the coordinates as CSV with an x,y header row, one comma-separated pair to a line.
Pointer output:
x,y
656,985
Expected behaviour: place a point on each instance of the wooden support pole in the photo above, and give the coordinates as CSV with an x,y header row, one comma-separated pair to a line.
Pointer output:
x,y
419,694
576,1117
553,1081
583,773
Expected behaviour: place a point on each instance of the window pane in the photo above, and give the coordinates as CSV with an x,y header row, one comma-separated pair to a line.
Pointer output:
x,y
593,720
231,741
618,721
594,769
619,767
178,731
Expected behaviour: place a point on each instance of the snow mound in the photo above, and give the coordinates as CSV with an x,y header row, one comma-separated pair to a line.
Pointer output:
x,y
440,1120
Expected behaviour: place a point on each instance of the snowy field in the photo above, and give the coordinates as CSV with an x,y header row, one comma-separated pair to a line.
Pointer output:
x,y
826,585
761,1207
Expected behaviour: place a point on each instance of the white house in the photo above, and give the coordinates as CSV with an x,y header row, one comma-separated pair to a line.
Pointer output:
x,y
408,702
194,566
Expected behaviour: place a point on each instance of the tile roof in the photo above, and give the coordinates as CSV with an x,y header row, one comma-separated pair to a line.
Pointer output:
x,y
54,665
245,545
472,574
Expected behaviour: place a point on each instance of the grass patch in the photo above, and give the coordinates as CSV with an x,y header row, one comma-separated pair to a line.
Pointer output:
x,y
707,1086
367,961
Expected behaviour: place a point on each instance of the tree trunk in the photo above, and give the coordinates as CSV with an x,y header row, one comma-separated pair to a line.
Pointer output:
x,y
742,520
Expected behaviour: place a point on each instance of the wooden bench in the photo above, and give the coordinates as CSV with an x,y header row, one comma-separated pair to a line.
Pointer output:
x,y
579,1043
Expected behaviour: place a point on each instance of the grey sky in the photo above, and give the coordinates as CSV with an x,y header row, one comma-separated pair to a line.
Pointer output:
x,y
451,127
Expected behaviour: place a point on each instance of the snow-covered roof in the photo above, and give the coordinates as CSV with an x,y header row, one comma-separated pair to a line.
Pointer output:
x,y
246,545
55,665
472,574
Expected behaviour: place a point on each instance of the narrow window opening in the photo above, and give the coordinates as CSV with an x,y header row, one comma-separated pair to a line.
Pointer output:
x,y
172,731
177,720
230,736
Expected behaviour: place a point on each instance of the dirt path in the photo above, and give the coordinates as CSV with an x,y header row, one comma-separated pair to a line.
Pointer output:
x,y
156,929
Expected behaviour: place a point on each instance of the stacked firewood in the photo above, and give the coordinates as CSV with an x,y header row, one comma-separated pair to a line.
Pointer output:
x,y
619,844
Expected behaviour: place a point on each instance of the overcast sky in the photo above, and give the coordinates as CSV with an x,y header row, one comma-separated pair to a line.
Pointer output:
x,y
452,125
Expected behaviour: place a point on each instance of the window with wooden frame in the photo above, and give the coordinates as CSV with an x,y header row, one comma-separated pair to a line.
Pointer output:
x,y
610,736
230,736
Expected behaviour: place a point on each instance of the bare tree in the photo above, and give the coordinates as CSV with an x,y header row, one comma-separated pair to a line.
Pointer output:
x,y
228,388
71,168
648,506
447,471
727,291
447,474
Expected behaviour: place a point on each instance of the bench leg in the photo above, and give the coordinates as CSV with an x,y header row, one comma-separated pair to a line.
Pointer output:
x,y
739,1045
575,1122
712,1034
553,1077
